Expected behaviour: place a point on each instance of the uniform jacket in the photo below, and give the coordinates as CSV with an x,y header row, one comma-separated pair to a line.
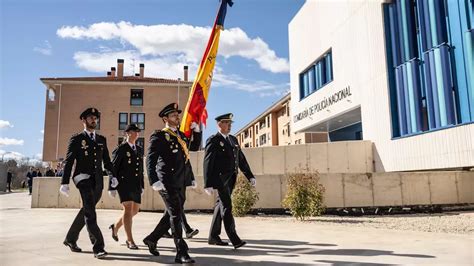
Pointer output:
x,y
128,165
222,160
166,160
89,156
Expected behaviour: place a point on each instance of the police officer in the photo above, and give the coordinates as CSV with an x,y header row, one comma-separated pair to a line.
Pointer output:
x,y
168,166
88,150
128,164
222,160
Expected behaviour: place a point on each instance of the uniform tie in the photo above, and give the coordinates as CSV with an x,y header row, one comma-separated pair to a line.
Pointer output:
x,y
92,136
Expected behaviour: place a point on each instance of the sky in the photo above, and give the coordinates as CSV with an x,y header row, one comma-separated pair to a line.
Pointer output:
x,y
65,38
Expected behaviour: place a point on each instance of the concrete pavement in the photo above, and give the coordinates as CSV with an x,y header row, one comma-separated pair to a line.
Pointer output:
x,y
34,237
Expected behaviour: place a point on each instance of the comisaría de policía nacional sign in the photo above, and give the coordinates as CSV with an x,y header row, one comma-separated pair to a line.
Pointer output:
x,y
323,104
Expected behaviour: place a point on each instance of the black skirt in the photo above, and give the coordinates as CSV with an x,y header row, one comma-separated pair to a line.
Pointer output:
x,y
130,195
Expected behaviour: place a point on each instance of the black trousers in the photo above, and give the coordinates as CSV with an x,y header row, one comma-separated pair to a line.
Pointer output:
x,y
184,222
90,195
9,185
223,212
172,218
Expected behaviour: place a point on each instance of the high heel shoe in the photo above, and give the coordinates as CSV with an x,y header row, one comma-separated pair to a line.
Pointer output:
x,y
112,227
131,245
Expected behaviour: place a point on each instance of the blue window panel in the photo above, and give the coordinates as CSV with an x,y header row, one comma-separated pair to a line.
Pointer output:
x,y
448,85
401,101
400,33
469,37
431,75
329,67
396,57
414,76
432,19
424,25
439,84
318,78
411,97
406,100
324,71
306,84
440,18
311,80
429,94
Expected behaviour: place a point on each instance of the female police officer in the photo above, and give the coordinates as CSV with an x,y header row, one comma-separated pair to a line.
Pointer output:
x,y
128,164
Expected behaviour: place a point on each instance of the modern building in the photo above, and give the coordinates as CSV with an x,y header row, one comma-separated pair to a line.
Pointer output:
x,y
272,128
399,73
120,99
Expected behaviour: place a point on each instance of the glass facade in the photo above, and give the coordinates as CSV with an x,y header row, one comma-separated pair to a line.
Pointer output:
x,y
316,76
430,60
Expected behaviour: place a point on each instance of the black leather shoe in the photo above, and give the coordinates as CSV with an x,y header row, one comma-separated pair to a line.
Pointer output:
x,y
72,246
167,235
151,247
183,258
131,245
241,244
192,233
112,228
217,242
101,254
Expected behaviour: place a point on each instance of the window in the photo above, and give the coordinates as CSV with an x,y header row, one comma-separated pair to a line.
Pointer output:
x,y
316,76
427,72
51,95
262,123
123,120
136,97
263,139
141,142
139,119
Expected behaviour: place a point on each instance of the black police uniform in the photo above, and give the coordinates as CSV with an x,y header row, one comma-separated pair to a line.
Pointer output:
x,y
167,162
89,154
222,160
128,164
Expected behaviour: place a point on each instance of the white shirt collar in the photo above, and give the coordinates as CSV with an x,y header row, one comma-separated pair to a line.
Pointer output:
x,y
224,135
89,133
172,128
131,145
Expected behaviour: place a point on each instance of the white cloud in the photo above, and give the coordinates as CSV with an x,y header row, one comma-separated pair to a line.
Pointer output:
x,y
8,141
45,49
19,157
262,88
184,43
5,124
42,131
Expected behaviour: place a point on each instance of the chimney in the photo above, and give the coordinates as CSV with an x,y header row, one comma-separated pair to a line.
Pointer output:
x,y
109,74
120,68
142,70
185,73
112,72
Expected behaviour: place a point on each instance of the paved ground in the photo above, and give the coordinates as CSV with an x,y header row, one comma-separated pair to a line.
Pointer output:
x,y
34,237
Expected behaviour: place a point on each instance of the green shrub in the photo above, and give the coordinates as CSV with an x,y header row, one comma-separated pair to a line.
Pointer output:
x,y
244,196
304,197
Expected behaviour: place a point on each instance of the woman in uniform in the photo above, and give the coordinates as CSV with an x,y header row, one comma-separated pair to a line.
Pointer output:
x,y
128,163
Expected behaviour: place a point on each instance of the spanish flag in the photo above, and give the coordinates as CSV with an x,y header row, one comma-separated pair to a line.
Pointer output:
x,y
196,106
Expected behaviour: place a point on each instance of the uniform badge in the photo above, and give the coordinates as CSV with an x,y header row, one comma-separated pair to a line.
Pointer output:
x,y
84,144
167,136
175,150
129,162
85,153
128,154
221,143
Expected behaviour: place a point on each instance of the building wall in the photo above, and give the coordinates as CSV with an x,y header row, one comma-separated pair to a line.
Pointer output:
x,y
354,32
111,98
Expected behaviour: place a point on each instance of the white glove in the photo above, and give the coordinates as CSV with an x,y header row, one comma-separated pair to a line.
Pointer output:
x,y
114,182
142,191
209,191
195,127
158,185
64,189
253,182
193,184
112,193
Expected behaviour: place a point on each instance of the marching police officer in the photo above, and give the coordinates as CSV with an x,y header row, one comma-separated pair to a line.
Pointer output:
x,y
168,166
127,160
222,160
88,150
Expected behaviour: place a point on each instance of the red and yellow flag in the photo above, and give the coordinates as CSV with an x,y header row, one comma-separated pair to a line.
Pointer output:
x,y
196,106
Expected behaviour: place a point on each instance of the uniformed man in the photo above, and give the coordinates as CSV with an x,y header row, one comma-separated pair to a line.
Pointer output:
x,y
222,160
168,166
88,150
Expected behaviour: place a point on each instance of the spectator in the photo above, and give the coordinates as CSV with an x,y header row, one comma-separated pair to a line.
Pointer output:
x,y
49,172
31,175
9,180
